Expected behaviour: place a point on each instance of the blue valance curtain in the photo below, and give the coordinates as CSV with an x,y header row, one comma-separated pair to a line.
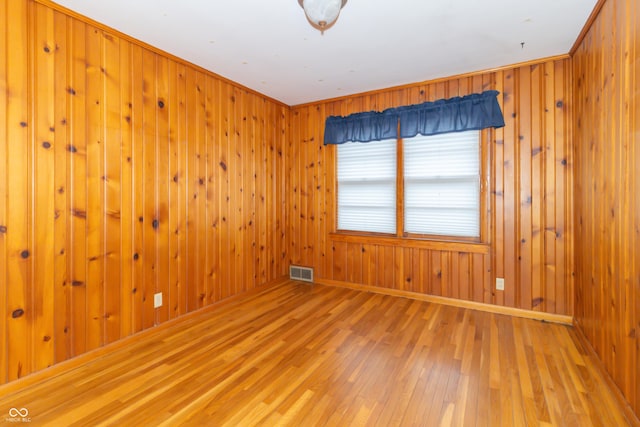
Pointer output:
x,y
471,112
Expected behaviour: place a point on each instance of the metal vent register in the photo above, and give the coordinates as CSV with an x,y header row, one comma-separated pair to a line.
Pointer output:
x,y
301,273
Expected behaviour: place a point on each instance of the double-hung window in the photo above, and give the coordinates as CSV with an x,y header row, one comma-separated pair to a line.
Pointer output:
x,y
367,186
424,186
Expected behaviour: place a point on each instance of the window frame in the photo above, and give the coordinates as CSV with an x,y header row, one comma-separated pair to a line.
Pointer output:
x,y
400,234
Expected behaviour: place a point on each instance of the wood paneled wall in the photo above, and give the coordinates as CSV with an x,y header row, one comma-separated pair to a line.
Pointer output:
x,y
123,172
530,217
607,193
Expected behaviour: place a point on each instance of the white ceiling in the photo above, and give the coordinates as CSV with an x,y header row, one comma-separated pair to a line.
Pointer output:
x,y
268,45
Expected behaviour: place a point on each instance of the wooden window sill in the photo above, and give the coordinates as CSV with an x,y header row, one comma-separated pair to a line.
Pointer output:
x,y
412,242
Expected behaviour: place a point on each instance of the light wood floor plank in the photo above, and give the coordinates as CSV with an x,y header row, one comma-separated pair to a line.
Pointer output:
x,y
299,354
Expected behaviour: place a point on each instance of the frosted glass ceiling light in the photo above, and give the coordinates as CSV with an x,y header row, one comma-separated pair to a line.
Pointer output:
x,y
322,14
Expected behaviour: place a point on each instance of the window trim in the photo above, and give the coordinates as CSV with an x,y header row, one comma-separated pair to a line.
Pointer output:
x,y
401,235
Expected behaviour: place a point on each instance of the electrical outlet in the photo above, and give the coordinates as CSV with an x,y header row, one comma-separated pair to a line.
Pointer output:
x,y
157,300
500,283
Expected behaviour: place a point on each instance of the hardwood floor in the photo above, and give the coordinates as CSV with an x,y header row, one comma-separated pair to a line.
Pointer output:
x,y
299,354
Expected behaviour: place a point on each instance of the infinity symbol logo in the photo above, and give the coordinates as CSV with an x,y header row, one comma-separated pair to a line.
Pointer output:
x,y
15,412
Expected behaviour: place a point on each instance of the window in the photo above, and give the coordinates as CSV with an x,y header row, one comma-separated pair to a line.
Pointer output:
x,y
420,186
367,186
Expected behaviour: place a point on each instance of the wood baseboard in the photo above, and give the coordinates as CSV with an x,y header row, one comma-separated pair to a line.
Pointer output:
x,y
75,362
516,312
632,417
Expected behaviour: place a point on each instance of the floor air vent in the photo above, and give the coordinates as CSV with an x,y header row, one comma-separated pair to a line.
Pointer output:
x,y
301,273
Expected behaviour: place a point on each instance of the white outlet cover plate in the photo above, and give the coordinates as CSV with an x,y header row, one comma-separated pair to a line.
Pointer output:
x,y
500,284
157,300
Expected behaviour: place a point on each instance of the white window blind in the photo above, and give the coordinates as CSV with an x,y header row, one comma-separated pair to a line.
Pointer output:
x,y
442,184
367,186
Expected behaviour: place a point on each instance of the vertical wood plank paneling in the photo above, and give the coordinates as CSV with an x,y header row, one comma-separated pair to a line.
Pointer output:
x,y
368,265
112,178
218,186
232,200
95,188
606,68
249,189
270,188
237,196
280,201
399,266
379,261
329,213
200,190
149,187
5,27
307,231
62,188
235,184
523,194
260,196
410,277
78,159
224,189
564,165
549,230
388,254
524,183
537,154
510,186
293,181
19,211
271,204
122,170
210,219
137,164
497,182
321,207
632,188
127,196
480,278
182,195
259,166
633,288
446,274
339,269
465,269
42,290
160,222
247,154
231,180
454,272
616,202
416,269
603,231
435,272
240,147
354,263
173,216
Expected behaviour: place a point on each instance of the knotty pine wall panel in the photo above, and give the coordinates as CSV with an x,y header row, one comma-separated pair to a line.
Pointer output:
x,y
607,202
123,172
529,215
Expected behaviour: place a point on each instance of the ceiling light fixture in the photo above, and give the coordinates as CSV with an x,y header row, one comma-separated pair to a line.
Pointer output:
x,y
322,14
